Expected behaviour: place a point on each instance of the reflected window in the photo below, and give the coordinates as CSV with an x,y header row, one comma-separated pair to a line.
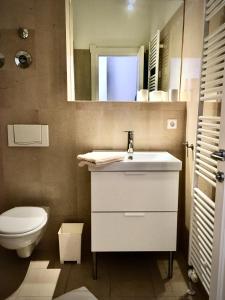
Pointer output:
x,y
118,76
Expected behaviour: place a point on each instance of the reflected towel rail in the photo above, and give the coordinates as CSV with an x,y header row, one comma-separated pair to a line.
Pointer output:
x,y
153,66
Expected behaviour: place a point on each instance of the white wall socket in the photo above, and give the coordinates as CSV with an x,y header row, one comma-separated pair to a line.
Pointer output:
x,y
172,124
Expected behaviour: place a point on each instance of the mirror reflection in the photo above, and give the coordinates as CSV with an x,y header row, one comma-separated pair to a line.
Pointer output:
x,y
127,50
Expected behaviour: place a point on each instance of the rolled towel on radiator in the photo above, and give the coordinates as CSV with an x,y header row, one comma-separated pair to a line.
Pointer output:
x,y
99,158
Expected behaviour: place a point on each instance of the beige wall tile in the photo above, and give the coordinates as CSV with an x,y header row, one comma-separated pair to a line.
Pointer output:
x,y
17,9
190,92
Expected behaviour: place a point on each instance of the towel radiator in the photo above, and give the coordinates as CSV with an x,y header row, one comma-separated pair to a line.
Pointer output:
x,y
207,232
153,63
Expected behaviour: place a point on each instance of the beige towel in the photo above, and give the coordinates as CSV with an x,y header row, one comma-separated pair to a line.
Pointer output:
x,y
98,159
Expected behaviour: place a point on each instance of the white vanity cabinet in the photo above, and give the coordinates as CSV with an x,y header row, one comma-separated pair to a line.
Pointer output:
x,y
134,206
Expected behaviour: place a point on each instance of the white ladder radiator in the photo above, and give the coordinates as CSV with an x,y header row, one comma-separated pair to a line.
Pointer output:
x,y
207,235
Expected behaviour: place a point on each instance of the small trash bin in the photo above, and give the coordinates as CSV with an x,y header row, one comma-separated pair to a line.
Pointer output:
x,y
70,242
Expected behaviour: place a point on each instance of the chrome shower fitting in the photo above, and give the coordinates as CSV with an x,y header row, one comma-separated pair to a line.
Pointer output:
x,y
23,33
23,59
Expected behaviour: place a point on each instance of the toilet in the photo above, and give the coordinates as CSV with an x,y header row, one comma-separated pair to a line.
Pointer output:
x,y
21,228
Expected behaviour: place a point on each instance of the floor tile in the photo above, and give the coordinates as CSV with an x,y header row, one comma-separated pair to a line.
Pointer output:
x,y
11,280
131,288
39,264
162,289
121,276
29,279
63,279
130,276
81,275
161,285
34,298
78,294
37,290
42,276
133,298
168,298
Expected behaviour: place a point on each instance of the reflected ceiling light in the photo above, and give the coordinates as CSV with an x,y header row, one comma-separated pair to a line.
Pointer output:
x,y
130,4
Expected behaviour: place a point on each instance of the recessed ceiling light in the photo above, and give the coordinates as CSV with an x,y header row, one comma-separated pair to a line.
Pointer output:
x,y
130,4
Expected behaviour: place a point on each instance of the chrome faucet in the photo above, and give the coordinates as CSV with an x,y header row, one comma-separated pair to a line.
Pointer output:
x,y
130,143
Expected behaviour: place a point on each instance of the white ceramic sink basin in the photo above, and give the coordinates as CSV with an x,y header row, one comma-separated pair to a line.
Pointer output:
x,y
142,161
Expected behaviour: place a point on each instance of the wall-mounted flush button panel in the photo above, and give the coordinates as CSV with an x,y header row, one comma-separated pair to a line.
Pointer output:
x,y
172,124
35,135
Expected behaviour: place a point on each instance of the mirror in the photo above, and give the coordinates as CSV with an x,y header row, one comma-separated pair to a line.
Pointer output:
x,y
124,50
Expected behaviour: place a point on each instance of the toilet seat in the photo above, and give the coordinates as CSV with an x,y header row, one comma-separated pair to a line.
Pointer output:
x,y
20,220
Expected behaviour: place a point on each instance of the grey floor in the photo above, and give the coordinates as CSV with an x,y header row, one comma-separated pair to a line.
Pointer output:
x,y
121,276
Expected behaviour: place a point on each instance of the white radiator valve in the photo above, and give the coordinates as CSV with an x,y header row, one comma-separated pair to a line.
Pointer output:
x,y
193,275
193,279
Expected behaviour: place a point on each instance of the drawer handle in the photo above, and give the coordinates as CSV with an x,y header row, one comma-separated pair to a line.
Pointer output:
x,y
135,173
136,214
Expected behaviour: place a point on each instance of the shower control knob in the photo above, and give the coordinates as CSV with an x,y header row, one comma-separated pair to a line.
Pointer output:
x,y
23,59
220,176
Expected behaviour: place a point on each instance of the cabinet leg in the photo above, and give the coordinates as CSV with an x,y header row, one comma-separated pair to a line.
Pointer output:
x,y
94,257
170,265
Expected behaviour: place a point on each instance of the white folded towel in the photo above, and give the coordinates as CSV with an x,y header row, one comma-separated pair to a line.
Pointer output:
x,y
98,159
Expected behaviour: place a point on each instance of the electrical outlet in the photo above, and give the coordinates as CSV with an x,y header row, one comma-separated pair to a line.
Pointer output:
x,y
172,124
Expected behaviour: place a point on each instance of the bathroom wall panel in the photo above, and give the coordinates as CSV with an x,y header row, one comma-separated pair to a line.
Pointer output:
x,y
51,67
2,193
16,165
48,15
15,82
82,62
50,176
170,54
57,163
190,79
17,9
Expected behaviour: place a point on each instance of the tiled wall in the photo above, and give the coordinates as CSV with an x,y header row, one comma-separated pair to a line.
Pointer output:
x,y
50,176
170,55
190,80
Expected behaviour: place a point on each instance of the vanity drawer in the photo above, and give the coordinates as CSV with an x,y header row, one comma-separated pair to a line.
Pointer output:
x,y
134,231
134,191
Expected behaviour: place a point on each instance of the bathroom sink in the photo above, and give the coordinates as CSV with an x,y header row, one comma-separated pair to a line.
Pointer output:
x,y
142,161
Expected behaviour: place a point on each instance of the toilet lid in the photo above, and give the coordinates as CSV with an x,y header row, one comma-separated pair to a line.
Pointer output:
x,y
22,219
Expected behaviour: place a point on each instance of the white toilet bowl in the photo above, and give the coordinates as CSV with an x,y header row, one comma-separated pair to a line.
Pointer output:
x,y
21,228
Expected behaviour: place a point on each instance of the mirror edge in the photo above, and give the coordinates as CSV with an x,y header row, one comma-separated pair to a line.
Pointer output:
x,y
69,51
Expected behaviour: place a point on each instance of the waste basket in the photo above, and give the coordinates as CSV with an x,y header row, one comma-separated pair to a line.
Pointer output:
x,y
70,242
